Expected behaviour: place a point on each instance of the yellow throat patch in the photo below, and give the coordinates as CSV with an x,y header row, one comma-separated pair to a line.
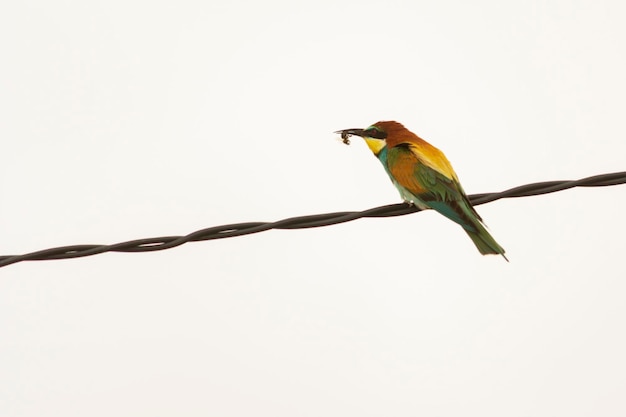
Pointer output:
x,y
375,145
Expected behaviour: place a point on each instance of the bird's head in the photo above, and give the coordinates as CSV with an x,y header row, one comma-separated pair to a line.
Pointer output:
x,y
379,135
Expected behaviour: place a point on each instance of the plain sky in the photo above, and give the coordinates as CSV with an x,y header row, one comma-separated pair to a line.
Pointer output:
x,y
130,119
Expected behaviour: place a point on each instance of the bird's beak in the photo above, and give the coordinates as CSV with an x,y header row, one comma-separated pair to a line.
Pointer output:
x,y
351,132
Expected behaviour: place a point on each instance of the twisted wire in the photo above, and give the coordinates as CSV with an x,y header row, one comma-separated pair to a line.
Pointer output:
x,y
302,222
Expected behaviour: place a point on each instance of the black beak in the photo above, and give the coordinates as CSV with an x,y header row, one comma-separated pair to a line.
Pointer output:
x,y
350,132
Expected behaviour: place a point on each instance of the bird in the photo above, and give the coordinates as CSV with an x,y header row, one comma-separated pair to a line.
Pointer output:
x,y
425,178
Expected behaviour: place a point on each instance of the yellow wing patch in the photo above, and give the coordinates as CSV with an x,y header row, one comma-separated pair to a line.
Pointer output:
x,y
433,158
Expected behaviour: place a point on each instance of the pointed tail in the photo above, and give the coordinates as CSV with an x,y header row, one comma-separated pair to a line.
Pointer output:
x,y
485,243
462,212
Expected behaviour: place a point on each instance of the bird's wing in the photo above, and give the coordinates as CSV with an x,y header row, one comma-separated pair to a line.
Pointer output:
x,y
422,175
428,176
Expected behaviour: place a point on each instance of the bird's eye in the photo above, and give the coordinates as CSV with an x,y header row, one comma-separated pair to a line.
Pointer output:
x,y
373,132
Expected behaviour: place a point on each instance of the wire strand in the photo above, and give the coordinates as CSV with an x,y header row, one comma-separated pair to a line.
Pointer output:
x,y
302,222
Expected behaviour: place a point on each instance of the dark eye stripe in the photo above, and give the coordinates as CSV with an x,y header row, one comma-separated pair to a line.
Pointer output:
x,y
375,133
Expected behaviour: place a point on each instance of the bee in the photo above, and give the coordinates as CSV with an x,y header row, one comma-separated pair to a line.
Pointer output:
x,y
345,138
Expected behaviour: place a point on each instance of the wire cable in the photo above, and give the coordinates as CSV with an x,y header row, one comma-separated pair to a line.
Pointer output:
x,y
302,222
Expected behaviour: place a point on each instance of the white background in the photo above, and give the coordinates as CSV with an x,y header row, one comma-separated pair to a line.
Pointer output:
x,y
132,119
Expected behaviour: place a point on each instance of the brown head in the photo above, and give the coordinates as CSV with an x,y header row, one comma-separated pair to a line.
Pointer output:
x,y
381,134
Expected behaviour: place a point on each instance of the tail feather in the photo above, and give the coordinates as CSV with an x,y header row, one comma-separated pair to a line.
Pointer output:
x,y
462,212
485,243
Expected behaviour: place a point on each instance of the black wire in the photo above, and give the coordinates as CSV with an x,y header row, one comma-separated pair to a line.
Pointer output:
x,y
303,222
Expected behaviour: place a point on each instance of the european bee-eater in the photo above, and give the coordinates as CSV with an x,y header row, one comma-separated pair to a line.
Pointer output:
x,y
424,177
